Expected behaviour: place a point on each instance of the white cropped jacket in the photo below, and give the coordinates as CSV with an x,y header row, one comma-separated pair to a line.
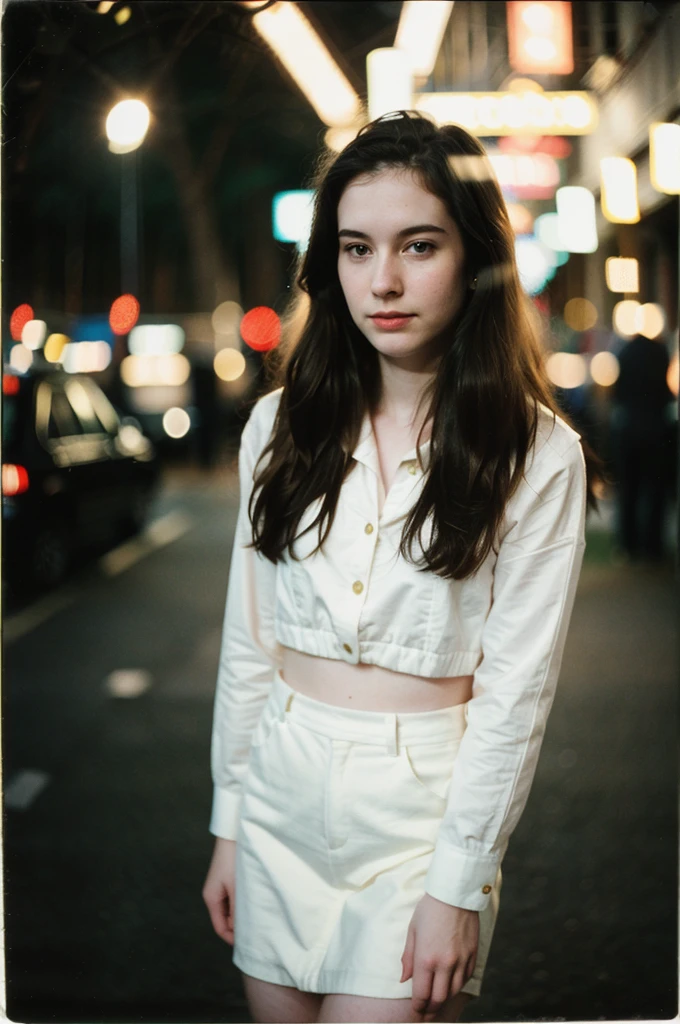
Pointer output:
x,y
359,601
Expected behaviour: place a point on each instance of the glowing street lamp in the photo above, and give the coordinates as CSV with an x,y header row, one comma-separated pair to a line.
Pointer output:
x,y
127,125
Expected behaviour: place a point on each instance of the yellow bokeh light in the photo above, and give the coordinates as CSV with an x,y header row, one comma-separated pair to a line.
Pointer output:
x,y
580,314
54,347
566,369
624,317
650,320
171,369
619,190
604,368
622,274
673,376
226,318
664,157
176,422
122,16
229,364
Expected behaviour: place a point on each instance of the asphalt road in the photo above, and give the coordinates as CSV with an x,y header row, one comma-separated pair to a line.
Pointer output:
x,y
107,705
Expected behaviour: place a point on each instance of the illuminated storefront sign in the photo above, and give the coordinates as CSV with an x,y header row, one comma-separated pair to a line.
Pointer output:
x,y
528,175
513,113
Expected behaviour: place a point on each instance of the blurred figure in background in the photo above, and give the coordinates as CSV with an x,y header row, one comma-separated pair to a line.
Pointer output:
x,y
641,441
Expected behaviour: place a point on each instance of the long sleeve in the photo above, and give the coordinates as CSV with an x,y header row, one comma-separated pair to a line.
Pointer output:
x,y
249,652
536,573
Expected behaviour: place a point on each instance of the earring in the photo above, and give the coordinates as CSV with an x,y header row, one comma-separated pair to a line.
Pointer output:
x,y
473,284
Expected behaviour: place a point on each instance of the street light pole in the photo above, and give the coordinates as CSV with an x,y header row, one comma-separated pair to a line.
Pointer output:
x,y
126,127
129,224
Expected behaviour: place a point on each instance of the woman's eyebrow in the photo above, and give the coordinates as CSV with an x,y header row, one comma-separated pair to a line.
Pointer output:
x,y
415,230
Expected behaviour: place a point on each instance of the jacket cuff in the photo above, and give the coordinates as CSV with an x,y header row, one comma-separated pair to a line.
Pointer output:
x,y
459,879
226,807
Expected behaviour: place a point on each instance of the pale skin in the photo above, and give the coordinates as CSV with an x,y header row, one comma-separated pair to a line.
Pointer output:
x,y
399,252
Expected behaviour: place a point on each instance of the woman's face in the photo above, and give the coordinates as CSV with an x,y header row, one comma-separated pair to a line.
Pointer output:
x,y
401,265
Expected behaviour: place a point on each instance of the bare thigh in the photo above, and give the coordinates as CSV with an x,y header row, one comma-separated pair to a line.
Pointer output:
x,y
339,1009
279,1004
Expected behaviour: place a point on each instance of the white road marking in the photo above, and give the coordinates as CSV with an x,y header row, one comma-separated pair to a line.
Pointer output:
x,y
157,534
30,618
23,789
128,682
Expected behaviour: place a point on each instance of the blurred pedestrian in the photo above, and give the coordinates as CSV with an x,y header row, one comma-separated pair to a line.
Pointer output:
x,y
385,680
642,445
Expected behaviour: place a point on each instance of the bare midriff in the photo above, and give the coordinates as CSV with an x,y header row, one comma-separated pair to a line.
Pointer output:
x,y
370,687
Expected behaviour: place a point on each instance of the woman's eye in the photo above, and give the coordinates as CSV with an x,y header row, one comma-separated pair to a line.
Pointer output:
x,y
357,249
420,248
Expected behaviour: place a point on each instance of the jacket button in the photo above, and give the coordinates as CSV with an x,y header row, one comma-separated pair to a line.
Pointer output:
x,y
357,586
412,469
368,528
486,889
347,648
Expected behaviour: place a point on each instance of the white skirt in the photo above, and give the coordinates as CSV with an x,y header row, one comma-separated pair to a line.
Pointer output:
x,y
339,818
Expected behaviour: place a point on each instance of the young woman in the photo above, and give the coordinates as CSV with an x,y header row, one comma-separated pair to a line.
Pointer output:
x,y
409,539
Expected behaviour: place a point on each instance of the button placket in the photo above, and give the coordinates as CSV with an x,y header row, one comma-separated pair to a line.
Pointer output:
x,y
350,643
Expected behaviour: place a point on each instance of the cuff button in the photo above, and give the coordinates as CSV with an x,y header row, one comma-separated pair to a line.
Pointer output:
x,y
486,889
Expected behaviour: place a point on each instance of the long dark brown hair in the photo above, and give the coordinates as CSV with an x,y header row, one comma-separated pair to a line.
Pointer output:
x,y
483,400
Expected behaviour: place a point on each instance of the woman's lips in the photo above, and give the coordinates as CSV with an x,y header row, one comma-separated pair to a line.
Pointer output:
x,y
391,323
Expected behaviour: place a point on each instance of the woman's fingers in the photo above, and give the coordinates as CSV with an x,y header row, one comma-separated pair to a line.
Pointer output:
x,y
441,991
458,979
219,904
422,988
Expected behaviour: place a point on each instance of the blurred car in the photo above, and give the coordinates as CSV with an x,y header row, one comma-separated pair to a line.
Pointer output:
x,y
74,476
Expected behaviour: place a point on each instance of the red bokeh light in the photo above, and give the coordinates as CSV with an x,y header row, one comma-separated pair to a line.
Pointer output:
x,y
261,328
124,314
14,480
10,384
18,320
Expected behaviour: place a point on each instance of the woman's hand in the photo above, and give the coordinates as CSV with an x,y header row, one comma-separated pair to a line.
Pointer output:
x,y
218,891
440,953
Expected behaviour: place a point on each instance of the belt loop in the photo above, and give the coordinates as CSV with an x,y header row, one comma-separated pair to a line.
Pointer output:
x,y
392,735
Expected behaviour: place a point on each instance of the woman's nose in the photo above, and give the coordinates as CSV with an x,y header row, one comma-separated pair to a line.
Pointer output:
x,y
386,277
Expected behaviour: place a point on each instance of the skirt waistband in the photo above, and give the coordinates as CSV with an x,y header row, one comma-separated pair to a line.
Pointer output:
x,y
355,726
